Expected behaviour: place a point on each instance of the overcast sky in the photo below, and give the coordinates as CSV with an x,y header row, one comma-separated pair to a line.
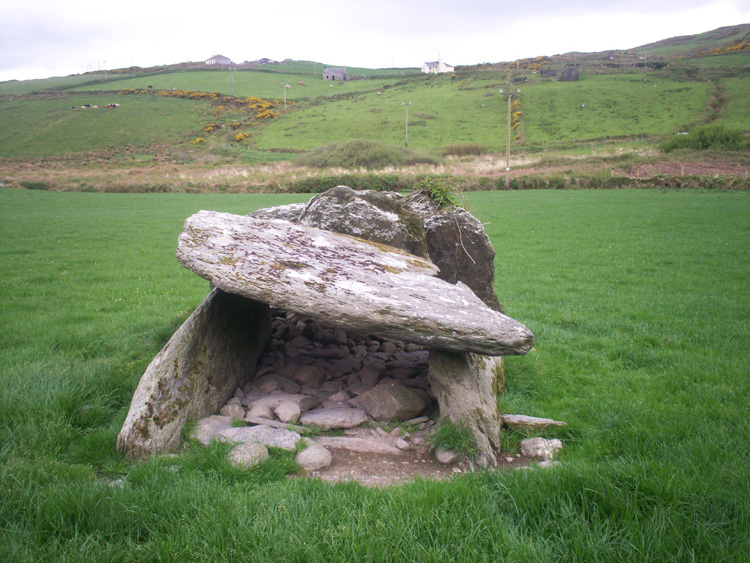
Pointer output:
x,y
42,38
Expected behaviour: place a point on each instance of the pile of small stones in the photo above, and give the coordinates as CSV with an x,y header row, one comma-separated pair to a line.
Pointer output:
x,y
313,377
372,392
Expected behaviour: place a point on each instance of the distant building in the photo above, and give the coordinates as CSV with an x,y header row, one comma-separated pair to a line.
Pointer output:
x,y
437,67
335,73
220,60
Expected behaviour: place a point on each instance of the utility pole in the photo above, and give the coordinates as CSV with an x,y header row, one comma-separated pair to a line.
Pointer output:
x,y
285,86
508,95
406,123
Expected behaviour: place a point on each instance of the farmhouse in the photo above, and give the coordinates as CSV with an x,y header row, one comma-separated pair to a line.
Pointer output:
x,y
335,73
220,60
437,67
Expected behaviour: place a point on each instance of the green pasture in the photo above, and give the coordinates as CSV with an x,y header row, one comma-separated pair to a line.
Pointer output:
x,y
316,69
260,84
440,114
611,106
736,115
18,87
445,112
735,60
43,127
639,301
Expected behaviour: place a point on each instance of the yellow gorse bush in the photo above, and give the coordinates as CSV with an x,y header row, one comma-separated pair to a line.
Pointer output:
x,y
257,108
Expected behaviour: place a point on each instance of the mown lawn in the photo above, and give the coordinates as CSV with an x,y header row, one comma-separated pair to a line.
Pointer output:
x,y
639,301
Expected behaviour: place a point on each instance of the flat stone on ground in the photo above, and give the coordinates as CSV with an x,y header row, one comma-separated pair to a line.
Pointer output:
x,y
207,428
327,419
274,437
521,421
353,444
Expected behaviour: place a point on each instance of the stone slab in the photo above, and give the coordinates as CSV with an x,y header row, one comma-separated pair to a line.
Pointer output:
x,y
345,282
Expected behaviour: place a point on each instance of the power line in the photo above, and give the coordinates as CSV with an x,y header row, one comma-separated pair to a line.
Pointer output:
x,y
656,6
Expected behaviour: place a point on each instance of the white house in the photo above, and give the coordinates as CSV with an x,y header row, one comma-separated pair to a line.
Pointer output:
x,y
220,60
436,67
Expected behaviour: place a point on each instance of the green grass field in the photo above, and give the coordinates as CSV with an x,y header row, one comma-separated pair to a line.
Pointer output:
x,y
736,60
246,83
316,69
18,87
445,112
737,114
639,301
46,127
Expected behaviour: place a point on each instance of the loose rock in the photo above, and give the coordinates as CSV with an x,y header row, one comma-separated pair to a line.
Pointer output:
x,y
288,412
445,456
314,456
390,400
540,448
234,412
207,428
248,454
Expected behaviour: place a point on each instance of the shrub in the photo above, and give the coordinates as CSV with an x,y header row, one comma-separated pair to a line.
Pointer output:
x,y
465,150
438,190
34,185
714,137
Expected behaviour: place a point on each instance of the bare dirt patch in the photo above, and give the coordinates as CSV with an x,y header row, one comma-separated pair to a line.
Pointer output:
x,y
383,470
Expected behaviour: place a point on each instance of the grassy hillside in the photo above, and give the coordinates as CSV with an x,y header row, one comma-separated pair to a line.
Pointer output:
x,y
443,112
638,300
691,45
246,83
613,102
736,114
43,127
316,69
17,87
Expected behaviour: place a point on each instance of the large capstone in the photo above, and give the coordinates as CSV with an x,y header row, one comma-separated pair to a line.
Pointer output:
x,y
347,282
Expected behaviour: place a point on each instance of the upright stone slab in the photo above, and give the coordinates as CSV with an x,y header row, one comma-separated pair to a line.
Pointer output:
x,y
374,216
459,246
464,385
570,74
211,354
